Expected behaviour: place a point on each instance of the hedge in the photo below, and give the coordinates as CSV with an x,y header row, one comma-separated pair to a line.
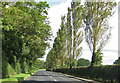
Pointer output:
x,y
110,73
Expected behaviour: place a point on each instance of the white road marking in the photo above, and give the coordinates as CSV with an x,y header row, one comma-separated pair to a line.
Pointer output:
x,y
52,78
55,80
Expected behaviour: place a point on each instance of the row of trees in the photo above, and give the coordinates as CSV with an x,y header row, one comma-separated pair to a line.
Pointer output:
x,y
89,22
25,30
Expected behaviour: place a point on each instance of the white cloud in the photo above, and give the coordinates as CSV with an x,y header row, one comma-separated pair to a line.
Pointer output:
x,y
55,13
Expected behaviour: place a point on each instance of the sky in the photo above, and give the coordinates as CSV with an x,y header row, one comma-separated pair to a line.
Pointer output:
x,y
110,51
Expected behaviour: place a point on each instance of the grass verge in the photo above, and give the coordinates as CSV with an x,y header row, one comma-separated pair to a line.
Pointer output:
x,y
18,77
42,69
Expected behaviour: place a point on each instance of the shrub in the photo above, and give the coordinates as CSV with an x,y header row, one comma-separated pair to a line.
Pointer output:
x,y
24,66
7,69
17,67
108,72
4,68
10,70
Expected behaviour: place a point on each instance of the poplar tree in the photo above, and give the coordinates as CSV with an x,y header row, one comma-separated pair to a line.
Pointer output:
x,y
97,30
62,34
69,36
59,47
77,29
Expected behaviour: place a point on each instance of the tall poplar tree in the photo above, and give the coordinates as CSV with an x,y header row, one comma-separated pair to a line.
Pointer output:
x,y
62,34
59,47
69,36
77,29
97,30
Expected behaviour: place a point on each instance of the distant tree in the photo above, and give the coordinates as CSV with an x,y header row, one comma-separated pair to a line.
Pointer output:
x,y
117,61
39,64
83,62
51,59
42,65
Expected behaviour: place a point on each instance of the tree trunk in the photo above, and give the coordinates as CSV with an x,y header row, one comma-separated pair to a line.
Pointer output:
x,y
93,60
71,66
70,69
94,56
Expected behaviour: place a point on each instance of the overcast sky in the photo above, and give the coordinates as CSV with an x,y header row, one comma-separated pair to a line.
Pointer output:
x,y
110,51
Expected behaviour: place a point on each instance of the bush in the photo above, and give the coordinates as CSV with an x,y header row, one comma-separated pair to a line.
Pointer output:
x,y
109,72
7,69
17,67
10,70
4,68
24,66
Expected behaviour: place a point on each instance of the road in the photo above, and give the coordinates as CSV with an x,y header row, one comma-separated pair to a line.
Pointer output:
x,y
43,76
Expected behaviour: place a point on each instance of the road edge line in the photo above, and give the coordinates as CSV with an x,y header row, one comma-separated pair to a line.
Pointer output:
x,y
83,79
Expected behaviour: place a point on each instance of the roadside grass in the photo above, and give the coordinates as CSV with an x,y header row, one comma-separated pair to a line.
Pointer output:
x,y
42,69
18,77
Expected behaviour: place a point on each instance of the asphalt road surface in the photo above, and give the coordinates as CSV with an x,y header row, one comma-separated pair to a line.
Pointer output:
x,y
43,76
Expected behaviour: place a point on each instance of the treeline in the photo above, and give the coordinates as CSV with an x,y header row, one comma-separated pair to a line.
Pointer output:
x,y
25,30
89,22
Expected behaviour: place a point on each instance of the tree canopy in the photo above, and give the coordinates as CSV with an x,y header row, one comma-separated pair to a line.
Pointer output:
x,y
89,22
25,31
83,62
97,30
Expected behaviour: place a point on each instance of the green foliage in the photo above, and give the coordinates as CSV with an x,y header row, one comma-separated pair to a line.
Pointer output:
x,y
56,57
77,32
67,62
39,64
102,73
74,63
62,46
99,56
4,67
50,61
24,66
10,70
7,69
117,61
83,62
42,65
25,30
16,78
17,67
97,29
